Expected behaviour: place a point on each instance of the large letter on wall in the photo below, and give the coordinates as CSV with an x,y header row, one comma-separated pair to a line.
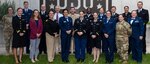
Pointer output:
x,y
84,4
65,4
79,4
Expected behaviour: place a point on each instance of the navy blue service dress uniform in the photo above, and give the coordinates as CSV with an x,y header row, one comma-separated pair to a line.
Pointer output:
x,y
19,26
101,17
136,44
65,24
109,43
27,15
80,40
144,14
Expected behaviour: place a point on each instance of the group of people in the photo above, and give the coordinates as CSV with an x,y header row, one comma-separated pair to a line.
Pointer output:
x,y
69,32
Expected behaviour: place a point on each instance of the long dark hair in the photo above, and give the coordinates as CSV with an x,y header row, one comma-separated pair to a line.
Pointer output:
x,y
39,17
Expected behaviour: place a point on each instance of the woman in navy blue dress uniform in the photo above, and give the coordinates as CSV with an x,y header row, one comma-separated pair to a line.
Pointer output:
x,y
66,27
95,31
109,37
19,29
80,36
137,26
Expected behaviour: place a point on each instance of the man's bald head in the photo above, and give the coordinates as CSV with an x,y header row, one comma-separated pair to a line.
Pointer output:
x,y
57,9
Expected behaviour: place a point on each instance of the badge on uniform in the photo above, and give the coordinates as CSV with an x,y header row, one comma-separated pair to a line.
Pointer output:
x,y
46,20
46,15
136,21
64,21
29,13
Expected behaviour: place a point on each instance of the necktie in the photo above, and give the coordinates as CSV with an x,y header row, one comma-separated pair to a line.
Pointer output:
x,y
57,17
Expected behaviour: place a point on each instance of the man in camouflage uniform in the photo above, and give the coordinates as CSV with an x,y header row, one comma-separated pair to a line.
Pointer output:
x,y
123,31
7,29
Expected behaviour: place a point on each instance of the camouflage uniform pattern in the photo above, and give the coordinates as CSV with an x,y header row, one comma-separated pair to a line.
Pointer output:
x,y
7,30
123,31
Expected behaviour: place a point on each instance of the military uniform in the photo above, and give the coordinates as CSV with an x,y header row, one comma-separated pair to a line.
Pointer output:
x,y
123,31
95,29
101,17
73,16
19,26
42,46
65,24
109,43
80,41
144,14
7,30
126,16
27,15
136,44
88,17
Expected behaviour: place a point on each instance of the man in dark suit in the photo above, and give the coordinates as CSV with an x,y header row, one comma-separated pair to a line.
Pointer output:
x,y
115,16
27,14
113,13
126,13
143,13
88,17
44,16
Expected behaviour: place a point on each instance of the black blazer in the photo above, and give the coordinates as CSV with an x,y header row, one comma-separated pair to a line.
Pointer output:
x,y
51,27
144,15
80,26
126,16
44,16
95,27
19,26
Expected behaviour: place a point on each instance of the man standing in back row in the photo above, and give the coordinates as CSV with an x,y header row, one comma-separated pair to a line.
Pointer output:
x,y
74,16
143,13
44,16
27,14
57,16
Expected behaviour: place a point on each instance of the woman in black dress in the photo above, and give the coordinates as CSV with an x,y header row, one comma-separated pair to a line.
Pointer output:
x,y
19,26
95,31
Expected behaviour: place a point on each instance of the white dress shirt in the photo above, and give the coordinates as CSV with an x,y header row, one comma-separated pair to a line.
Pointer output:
x,y
59,15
